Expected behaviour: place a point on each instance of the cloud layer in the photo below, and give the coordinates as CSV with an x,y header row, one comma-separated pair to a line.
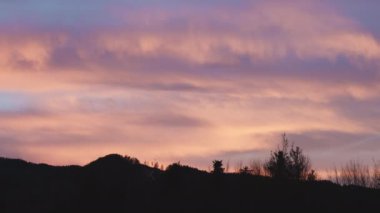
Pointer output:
x,y
173,81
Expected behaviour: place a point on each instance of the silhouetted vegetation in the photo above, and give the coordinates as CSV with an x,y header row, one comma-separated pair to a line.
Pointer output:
x,y
289,164
218,167
122,184
357,174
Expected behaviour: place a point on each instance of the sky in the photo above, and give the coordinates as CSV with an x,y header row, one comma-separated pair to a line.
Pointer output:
x,y
189,81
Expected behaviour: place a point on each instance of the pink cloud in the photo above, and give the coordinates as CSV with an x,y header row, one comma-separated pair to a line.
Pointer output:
x,y
201,87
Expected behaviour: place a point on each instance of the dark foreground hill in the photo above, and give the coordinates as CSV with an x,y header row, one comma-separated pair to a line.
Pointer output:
x,y
119,184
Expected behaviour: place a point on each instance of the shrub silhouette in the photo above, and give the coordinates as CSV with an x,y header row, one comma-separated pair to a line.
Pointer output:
x,y
312,176
256,168
354,173
245,171
376,175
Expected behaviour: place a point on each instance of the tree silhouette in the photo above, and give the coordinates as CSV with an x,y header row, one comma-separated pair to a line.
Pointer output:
x,y
217,167
299,164
288,164
279,162
277,165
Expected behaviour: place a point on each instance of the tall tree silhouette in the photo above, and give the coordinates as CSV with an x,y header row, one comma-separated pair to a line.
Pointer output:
x,y
279,162
299,164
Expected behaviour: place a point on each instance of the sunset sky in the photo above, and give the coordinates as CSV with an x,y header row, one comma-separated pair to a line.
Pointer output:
x,y
189,81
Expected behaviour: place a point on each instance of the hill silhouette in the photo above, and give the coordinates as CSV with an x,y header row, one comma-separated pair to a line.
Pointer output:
x,y
121,184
